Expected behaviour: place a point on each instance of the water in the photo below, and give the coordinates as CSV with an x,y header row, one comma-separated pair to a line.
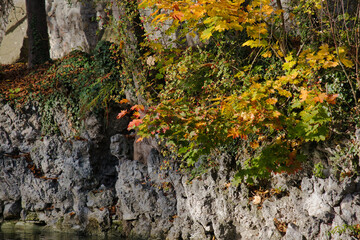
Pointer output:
x,y
24,231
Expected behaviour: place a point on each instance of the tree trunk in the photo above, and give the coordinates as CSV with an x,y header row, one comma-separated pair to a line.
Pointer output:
x,y
37,32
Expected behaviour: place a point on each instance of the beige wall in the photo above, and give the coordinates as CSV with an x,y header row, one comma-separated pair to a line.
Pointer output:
x,y
14,34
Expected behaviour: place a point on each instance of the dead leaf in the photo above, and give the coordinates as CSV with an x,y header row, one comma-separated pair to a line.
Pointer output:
x,y
256,200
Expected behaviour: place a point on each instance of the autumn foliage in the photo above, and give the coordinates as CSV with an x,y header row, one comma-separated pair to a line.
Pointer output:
x,y
253,77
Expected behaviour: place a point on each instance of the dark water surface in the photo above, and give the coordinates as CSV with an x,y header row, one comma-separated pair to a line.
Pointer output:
x,y
33,232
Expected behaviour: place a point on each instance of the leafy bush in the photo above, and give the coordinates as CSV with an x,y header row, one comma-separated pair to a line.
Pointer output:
x,y
256,78
80,83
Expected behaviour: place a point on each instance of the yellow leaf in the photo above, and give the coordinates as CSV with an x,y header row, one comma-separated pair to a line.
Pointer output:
x,y
329,64
221,26
303,94
347,63
267,54
276,114
254,145
124,101
284,93
255,43
267,9
207,33
271,101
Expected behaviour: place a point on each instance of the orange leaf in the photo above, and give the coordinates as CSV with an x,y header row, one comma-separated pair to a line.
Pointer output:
x,y
134,123
234,133
177,15
124,101
320,97
176,6
122,114
271,101
254,145
331,98
303,94
136,114
138,108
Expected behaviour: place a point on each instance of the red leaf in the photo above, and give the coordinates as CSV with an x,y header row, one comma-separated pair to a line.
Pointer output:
x,y
138,108
136,114
134,123
122,114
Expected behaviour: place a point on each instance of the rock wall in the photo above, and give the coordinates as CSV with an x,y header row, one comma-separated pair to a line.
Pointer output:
x,y
72,25
4,14
90,183
13,32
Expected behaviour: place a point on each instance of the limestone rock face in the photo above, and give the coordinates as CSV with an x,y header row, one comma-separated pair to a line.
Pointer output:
x,y
71,26
13,32
4,14
93,184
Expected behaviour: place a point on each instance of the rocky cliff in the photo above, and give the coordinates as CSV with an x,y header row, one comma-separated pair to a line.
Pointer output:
x,y
91,183
71,25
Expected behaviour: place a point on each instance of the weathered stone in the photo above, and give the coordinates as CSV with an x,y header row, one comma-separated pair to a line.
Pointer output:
x,y
293,233
71,26
78,185
98,221
121,147
12,210
4,14
14,39
100,198
31,216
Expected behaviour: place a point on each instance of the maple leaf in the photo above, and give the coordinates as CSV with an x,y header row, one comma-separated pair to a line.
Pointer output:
x,y
124,101
271,101
122,114
320,97
267,54
207,33
348,63
303,94
138,107
276,114
136,114
254,145
177,15
134,123
176,6
234,133
331,98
